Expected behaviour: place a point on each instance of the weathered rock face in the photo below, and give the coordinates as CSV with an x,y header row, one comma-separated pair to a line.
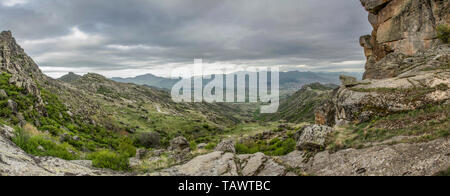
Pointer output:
x,y
423,159
228,164
420,159
405,27
423,81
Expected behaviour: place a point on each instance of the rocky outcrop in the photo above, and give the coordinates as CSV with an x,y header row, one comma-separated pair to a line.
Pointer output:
x,y
23,69
15,162
403,27
422,159
407,66
426,82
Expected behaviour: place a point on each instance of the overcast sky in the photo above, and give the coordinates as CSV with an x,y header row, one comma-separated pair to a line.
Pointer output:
x,y
134,37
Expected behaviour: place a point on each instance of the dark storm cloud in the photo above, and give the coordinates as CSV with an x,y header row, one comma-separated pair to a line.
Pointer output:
x,y
113,35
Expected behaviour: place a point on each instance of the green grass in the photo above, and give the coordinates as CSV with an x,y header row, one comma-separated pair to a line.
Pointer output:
x,y
30,144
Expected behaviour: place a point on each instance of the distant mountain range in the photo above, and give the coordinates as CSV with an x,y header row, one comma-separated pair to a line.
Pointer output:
x,y
149,80
290,82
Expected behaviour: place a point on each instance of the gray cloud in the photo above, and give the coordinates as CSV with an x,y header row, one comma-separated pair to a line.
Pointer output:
x,y
110,36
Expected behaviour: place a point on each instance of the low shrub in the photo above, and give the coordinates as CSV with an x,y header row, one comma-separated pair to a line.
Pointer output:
x,y
126,147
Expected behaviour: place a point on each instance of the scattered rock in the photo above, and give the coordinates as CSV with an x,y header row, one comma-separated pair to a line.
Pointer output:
x,y
226,145
3,94
313,137
12,106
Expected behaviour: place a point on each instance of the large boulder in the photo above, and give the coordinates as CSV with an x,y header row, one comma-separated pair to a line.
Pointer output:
x,y
313,137
227,145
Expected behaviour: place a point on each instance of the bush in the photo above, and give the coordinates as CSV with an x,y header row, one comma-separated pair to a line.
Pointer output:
x,y
110,160
443,33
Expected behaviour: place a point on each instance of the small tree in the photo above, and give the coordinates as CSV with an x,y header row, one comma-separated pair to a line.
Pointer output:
x,y
443,33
